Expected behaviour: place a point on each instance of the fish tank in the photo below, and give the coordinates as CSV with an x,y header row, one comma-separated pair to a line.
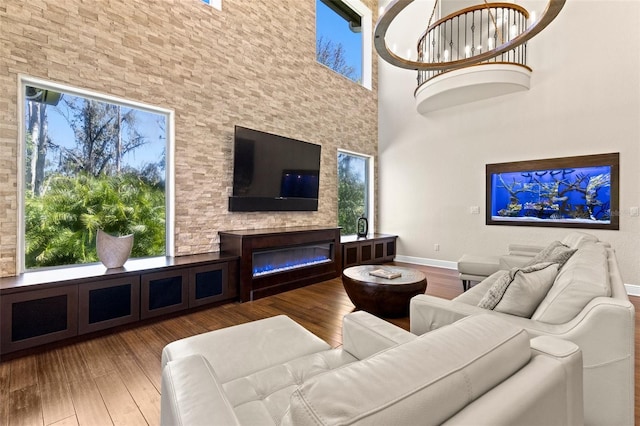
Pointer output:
x,y
567,192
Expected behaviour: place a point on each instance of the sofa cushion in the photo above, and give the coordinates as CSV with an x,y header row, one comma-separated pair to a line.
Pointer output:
x,y
584,277
263,343
555,252
262,396
520,290
576,239
405,384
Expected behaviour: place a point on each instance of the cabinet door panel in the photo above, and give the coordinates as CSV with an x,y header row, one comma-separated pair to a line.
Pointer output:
x,y
163,292
37,317
108,303
208,284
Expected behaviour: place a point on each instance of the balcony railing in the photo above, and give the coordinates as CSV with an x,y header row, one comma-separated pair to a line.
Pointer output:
x,y
472,31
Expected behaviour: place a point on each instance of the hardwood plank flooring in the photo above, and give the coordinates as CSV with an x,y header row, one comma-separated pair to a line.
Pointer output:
x,y
114,378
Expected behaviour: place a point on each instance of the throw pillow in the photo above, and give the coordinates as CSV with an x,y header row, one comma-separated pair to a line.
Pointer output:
x,y
496,291
528,288
556,252
530,285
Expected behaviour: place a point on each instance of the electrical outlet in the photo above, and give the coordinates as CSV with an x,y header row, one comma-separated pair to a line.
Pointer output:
x,y
474,209
634,211
436,247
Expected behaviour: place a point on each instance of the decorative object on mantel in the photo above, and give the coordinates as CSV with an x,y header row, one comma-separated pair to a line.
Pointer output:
x,y
362,227
113,251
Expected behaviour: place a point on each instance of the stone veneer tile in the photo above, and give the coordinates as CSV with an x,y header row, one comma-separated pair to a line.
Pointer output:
x,y
251,64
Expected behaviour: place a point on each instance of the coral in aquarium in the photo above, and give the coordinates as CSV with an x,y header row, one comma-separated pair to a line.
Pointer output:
x,y
566,194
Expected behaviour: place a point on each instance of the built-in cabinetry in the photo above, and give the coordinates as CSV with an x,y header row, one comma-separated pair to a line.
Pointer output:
x,y
374,248
46,306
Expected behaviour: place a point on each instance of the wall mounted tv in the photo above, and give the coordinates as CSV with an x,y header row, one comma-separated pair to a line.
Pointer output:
x,y
273,173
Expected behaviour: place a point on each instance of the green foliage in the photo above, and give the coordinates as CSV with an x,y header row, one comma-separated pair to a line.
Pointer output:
x,y
61,224
351,195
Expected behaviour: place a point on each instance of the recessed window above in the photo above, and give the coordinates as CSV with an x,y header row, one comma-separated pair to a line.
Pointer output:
x,y
343,38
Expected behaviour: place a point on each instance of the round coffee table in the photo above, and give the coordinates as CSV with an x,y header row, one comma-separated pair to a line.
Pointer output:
x,y
381,296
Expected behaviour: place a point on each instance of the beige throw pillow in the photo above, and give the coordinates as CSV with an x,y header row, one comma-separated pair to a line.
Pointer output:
x,y
529,287
520,290
556,252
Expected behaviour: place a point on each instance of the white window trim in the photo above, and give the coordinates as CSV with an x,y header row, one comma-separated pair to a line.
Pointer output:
x,y
24,81
367,40
216,4
371,185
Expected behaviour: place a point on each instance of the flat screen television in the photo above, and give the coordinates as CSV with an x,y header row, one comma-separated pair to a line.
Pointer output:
x,y
273,173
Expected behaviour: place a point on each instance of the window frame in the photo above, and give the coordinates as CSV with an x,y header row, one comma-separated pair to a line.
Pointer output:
x,y
25,80
216,4
369,182
367,39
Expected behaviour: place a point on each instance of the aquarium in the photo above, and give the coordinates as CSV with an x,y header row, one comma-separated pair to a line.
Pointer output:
x,y
572,192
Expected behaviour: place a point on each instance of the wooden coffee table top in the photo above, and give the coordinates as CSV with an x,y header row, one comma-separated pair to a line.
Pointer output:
x,y
361,273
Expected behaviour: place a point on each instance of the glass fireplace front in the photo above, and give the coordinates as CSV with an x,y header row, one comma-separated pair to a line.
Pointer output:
x,y
285,259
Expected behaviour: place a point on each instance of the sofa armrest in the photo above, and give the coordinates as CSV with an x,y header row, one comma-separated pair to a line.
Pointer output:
x,y
192,395
524,250
427,313
364,334
590,329
509,261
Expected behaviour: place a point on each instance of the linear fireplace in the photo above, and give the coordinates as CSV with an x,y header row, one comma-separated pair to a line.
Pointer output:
x,y
286,259
276,260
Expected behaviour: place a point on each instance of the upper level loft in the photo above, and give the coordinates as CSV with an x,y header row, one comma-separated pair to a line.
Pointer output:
x,y
474,53
464,34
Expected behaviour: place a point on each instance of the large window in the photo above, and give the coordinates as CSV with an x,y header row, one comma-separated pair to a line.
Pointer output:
x,y
343,38
92,162
354,190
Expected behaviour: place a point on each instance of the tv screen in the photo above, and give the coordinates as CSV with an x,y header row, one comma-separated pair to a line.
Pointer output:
x,y
274,173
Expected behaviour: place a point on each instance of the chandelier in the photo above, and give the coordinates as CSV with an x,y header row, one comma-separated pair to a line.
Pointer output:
x,y
470,56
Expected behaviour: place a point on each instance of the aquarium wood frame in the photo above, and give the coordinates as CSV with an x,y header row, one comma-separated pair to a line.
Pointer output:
x,y
611,159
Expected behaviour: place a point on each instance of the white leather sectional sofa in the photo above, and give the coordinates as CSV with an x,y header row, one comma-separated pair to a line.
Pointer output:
x,y
585,303
479,371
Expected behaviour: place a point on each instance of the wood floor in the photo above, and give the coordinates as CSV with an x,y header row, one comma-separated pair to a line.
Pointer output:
x,y
114,378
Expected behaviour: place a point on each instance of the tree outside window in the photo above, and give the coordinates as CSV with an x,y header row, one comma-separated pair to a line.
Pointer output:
x,y
339,38
90,164
353,190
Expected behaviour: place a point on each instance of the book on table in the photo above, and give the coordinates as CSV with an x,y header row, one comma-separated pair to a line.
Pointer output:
x,y
385,273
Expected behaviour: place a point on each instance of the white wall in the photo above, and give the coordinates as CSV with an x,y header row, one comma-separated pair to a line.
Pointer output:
x,y
584,99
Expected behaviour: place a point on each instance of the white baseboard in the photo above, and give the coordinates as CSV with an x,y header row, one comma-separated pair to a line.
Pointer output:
x,y
427,262
632,289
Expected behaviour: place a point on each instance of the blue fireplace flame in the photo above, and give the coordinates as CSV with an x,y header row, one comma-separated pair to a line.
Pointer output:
x,y
287,258
272,268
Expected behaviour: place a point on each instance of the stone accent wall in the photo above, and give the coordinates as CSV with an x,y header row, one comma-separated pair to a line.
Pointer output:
x,y
251,64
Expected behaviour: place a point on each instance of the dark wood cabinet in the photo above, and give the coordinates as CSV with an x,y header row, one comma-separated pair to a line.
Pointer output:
x,y
38,317
49,305
108,303
375,248
164,292
212,283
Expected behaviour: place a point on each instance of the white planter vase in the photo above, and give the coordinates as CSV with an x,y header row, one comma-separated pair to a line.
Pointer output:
x,y
113,252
